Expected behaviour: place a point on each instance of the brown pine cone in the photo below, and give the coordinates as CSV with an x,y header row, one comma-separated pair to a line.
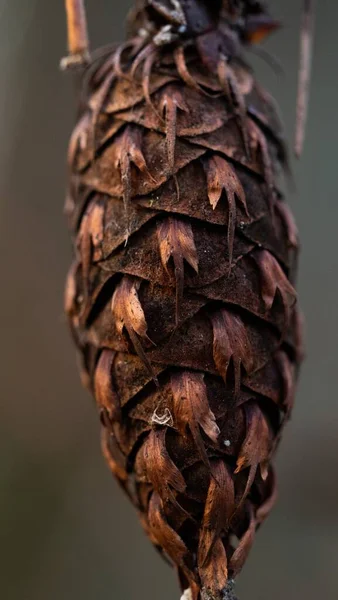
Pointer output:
x,y
181,298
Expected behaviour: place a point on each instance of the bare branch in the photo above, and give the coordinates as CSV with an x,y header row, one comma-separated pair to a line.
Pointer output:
x,y
78,43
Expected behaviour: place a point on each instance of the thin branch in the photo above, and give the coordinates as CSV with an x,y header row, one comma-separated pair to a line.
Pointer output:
x,y
304,73
78,43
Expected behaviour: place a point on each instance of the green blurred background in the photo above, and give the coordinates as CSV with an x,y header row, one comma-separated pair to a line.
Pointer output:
x,y
67,532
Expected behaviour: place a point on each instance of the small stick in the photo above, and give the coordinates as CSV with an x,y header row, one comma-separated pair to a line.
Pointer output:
x,y
304,74
78,43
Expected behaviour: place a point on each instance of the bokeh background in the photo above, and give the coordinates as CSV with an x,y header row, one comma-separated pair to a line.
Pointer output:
x,y
67,531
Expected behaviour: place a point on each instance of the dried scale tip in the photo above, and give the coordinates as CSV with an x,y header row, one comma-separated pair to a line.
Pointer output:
x,y
181,298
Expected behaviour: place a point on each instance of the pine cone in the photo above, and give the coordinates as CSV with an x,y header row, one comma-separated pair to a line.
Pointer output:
x,y
181,298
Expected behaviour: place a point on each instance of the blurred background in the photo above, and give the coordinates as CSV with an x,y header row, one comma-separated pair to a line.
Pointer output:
x,y
67,531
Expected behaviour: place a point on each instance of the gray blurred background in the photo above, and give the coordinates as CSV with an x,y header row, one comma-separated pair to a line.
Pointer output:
x,y
67,531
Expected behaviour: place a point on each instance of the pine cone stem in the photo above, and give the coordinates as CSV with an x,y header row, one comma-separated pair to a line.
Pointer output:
x,y
78,41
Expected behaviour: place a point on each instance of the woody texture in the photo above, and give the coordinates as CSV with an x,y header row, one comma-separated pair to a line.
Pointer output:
x,y
181,297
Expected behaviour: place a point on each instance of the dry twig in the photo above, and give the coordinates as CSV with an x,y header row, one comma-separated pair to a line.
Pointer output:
x,y
78,43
